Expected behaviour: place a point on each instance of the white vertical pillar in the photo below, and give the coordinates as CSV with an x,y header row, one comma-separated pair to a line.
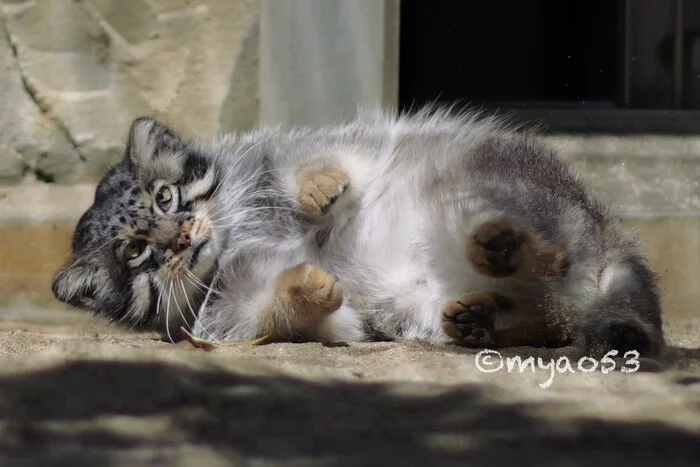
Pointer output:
x,y
321,59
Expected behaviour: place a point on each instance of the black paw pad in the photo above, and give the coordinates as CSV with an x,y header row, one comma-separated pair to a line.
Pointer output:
x,y
476,319
499,252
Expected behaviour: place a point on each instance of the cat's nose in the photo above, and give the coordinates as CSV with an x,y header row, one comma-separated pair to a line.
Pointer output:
x,y
184,240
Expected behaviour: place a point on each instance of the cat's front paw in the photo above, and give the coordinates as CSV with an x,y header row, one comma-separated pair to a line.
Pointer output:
x,y
507,248
309,290
319,189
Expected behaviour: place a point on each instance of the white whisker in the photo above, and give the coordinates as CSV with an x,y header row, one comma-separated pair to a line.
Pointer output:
x,y
87,255
167,310
179,309
199,284
187,299
189,305
260,193
160,296
240,158
245,212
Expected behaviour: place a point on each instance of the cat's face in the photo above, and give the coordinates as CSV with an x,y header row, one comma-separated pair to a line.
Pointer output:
x,y
146,248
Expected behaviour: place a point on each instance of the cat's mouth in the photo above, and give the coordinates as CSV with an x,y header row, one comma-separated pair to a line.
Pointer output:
x,y
194,265
193,247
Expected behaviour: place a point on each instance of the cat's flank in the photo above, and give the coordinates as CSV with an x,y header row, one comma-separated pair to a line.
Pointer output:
x,y
430,226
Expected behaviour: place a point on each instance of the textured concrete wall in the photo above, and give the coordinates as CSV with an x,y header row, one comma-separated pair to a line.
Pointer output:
x,y
74,73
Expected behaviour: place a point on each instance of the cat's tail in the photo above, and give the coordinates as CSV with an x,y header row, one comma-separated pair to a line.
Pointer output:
x,y
625,316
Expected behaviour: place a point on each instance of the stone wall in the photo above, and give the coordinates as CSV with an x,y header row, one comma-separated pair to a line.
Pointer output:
x,y
74,73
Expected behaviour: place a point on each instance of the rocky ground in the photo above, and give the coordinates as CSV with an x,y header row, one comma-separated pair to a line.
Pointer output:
x,y
74,391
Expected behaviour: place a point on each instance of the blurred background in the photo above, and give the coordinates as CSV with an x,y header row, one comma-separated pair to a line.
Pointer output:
x,y
614,85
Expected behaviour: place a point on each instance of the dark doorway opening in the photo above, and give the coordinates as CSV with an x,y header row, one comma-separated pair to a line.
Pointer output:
x,y
598,65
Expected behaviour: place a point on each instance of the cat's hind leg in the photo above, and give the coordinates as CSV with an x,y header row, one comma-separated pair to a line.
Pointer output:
x,y
473,321
510,248
626,316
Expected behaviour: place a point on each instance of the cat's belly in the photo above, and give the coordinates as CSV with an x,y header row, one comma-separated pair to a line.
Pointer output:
x,y
380,260
401,262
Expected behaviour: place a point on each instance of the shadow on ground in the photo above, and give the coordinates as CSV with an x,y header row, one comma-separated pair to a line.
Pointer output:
x,y
131,413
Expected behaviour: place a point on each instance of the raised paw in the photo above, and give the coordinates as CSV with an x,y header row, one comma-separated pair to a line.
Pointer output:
x,y
470,319
310,290
508,248
319,189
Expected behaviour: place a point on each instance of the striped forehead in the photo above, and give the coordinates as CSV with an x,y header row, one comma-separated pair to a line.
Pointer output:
x,y
130,210
178,166
162,167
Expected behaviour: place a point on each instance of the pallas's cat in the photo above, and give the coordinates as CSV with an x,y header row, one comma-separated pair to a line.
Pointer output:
x,y
434,225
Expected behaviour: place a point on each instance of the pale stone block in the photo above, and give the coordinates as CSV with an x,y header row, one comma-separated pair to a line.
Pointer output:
x,y
78,73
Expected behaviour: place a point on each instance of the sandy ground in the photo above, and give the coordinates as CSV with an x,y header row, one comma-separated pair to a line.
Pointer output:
x,y
74,391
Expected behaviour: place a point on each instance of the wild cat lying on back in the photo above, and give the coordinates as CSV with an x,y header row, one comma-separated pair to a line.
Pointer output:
x,y
432,226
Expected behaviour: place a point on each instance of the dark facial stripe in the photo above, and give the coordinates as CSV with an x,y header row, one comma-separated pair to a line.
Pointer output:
x,y
119,300
206,196
151,263
196,252
194,168
153,289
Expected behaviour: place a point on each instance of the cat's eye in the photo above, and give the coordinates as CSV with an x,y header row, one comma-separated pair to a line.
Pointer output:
x,y
166,198
134,249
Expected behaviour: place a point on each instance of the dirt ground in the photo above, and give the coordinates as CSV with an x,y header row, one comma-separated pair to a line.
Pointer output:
x,y
74,391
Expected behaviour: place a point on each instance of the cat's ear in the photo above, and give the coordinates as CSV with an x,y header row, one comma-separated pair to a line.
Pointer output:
x,y
148,139
75,284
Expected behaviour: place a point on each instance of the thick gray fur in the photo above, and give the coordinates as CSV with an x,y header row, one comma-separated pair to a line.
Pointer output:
x,y
419,184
